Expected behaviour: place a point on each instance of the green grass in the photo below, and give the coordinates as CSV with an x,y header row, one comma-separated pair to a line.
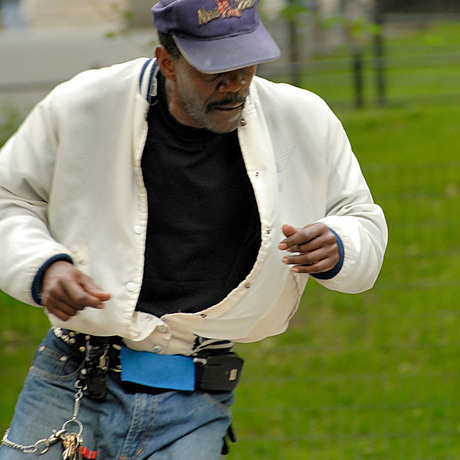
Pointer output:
x,y
369,376
405,135
21,329
10,119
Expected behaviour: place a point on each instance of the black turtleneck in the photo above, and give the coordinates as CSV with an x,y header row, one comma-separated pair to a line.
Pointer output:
x,y
203,231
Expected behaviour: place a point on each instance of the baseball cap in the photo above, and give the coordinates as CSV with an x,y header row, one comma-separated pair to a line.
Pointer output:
x,y
216,35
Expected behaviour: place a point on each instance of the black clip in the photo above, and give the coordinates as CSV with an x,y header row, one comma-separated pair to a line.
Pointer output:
x,y
229,436
95,369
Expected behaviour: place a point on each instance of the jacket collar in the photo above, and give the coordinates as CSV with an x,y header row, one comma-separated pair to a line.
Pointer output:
x,y
148,80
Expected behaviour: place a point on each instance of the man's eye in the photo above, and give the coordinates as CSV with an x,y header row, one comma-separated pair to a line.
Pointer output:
x,y
208,78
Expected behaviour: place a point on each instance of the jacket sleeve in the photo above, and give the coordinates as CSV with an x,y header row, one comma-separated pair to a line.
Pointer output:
x,y
26,177
352,214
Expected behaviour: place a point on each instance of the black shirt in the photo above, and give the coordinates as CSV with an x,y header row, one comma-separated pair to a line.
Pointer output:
x,y
203,231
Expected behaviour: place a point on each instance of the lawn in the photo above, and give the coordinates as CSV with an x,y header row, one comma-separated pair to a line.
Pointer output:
x,y
369,376
374,375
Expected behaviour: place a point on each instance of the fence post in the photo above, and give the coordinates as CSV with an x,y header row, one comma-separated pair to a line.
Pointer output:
x,y
379,54
358,75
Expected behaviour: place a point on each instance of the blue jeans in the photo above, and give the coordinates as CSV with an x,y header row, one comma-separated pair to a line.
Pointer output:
x,y
128,424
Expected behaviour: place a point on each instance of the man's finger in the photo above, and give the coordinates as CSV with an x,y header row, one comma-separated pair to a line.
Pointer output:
x,y
62,310
304,259
91,288
59,314
288,231
296,239
72,294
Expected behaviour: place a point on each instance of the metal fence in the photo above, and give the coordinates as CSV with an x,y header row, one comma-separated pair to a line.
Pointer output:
x,y
406,73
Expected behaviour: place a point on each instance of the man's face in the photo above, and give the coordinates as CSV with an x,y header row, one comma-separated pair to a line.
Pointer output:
x,y
211,101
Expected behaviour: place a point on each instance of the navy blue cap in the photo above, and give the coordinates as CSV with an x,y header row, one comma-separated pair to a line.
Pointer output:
x,y
216,35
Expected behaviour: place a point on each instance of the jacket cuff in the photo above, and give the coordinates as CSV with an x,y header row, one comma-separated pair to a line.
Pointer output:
x,y
333,271
37,283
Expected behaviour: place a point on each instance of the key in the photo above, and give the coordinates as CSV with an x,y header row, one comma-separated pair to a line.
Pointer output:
x,y
72,444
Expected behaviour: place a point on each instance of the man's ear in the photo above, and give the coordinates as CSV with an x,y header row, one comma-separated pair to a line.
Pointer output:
x,y
166,62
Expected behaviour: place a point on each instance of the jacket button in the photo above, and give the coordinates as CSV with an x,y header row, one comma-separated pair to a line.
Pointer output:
x,y
162,329
131,287
137,229
157,348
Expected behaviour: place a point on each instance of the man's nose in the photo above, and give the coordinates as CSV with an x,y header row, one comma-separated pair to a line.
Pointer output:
x,y
236,80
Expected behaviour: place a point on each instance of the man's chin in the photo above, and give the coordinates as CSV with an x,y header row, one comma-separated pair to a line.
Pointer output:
x,y
224,121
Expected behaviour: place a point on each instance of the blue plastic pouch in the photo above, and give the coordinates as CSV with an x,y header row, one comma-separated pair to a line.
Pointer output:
x,y
174,372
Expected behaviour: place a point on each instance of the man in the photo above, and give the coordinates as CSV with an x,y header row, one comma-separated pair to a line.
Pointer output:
x,y
159,211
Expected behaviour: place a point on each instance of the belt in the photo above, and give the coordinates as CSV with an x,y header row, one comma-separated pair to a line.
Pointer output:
x,y
211,370
79,342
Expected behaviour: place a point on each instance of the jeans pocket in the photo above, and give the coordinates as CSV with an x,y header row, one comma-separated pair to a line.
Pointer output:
x,y
56,361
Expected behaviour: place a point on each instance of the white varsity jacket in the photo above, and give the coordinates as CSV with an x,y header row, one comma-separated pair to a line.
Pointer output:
x,y
71,183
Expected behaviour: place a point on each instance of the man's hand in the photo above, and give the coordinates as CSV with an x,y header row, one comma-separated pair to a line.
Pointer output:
x,y
66,291
314,248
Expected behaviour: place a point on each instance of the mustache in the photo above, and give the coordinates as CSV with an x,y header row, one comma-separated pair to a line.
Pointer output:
x,y
229,100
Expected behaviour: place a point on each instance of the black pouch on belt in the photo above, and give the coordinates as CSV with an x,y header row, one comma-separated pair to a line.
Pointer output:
x,y
217,371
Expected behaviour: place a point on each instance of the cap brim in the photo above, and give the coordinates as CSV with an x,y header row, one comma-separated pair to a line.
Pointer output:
x,y
229,53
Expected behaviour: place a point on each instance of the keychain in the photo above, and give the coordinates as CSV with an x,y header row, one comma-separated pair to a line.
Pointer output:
x,y
72,445
72,439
